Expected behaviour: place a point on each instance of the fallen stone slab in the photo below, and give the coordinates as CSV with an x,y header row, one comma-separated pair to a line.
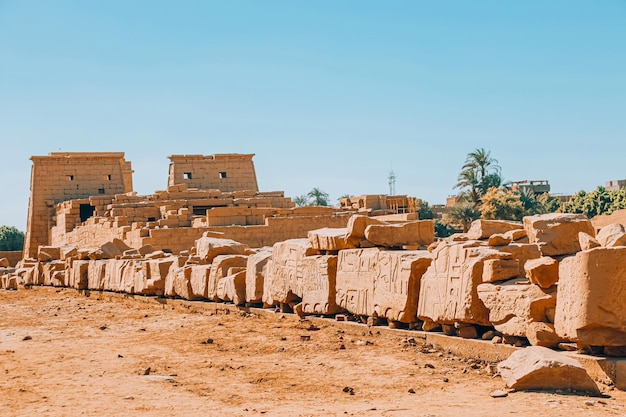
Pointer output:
x,y
540,368
483,229
557,233
415,233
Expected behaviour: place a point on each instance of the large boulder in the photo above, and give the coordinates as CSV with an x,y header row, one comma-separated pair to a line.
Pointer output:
x,y
329,239
542,271
483,229
612,235
207,248
592,297
355,230
537,368
557,233
415,233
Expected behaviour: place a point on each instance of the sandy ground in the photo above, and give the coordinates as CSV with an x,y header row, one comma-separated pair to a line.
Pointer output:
x,y
65,354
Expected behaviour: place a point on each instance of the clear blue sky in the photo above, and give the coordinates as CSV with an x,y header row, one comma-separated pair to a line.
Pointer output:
x,y
328,94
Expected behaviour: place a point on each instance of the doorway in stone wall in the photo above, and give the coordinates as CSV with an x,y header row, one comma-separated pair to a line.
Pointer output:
x,y
86,211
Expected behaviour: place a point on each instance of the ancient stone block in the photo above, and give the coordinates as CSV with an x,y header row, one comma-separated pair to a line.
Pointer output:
x,y
207,248
397,282
557,233
199,280
95,275
233,288
515,234
256,270
500,269
356,269
329,239
499,239
542,334
538,367
416,233
542,271
592,297
587,241
448,290
522,252
78,275
514,303
482,229
155,272
286,283
612,235
49,273
4,263
319,274
219,269
356,228
48,253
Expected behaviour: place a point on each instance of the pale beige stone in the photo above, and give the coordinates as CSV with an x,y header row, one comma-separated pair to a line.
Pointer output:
x,y
592,297
448,288
199,280
256,270
522,252
587,241
69,252
542,271
233,288
48,253
145,249
515,234
329,239
557,233
286,283
416,233
4,263
495,270
482,229
207,248
542,334
537,367
612,235
155,272
356,269
320,278
219,269
78,275
96,274
356,228
499,239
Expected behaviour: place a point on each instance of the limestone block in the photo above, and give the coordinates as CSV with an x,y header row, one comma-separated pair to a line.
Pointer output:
x,y
131,273
356,269
592,297
482,229
207,248
155,273
233,288
515,299
499,239
397,283
557,233
286,283
612,235
356,228
542,334
587,241
537,367
78,275
256,268
48,253
500,269
156,255
542,271
69,252
199,280
95,275
109,250
267,283
329,239
182,283
416,233
219,269
145,250
4,263
448,290
522,252
48,273
320,278
9,282
515,234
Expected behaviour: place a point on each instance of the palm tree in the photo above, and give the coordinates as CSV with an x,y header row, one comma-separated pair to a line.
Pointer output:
x,y
481,161
467,180
301,200
318,197
464,214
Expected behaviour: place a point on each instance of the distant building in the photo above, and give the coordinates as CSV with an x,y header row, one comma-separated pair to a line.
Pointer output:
x,y
534,186
615,184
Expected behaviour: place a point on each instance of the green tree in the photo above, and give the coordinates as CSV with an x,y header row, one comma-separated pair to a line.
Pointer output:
x,y
444,229
479,173
464,214
596,202
318,197
502,204
301,200
11,239
424,211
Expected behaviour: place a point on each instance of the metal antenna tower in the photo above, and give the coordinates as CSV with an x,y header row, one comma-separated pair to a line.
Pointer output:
x,y
392,182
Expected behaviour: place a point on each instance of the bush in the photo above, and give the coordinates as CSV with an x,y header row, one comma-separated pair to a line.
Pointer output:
x,y
11,239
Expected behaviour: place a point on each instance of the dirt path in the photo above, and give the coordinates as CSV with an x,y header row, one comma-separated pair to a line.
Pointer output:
x,y
64,354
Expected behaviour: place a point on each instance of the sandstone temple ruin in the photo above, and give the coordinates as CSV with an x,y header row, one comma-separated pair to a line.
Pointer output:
x,y
553,280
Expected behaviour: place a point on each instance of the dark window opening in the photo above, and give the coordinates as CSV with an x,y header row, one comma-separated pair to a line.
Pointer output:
x,y
187,175
151,219
108,177
223,174
86,211
70,178
100,190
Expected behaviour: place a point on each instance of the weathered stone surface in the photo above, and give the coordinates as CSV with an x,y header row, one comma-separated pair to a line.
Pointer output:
x,y
448,290
587,241
155,272
256,270
537,367
357,224
233,288
199,280
69,252
286,282
52,273
78,275
515,303
495,270
499,239
522,252
557,233
96,274
207,248
320,278
542,334
145,249
4,263
356,269
48,253
482,229
542,271
329,239
612,235
516,234
397,283
592,297
109,250
416,233
219,269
